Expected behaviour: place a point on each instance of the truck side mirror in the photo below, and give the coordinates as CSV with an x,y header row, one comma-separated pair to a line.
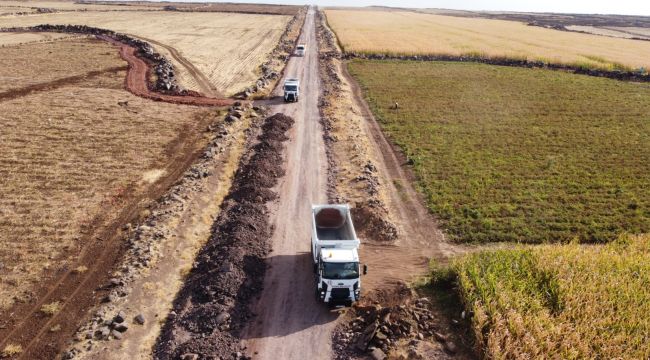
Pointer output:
x,y
365,269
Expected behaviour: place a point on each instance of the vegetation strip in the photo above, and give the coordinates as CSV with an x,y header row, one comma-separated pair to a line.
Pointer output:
x,y
569,302
212,307
627,75
509,154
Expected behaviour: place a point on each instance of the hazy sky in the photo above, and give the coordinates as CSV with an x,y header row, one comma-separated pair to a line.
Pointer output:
x,y
628,7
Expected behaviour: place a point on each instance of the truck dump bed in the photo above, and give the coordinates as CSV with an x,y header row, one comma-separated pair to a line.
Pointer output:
x,y
332,227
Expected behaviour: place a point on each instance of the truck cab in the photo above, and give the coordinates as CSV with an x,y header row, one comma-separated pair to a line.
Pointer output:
x,y
291,90
300,50
335,250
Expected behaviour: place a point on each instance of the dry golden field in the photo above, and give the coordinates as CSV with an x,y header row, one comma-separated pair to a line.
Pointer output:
x,y
25,38
414,33
228,48
30,6
71,154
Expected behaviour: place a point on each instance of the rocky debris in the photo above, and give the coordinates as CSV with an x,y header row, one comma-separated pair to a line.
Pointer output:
x,y
279,56
212,307
143,243
165,82
371,217
611,74
375,330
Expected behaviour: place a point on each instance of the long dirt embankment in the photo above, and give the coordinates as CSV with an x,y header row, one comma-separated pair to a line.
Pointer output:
x,y
212,307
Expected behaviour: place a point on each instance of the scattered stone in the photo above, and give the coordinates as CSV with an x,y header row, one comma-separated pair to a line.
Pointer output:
x,y
377,354
116,334
451,347
189,356
119,318
121,327
139,319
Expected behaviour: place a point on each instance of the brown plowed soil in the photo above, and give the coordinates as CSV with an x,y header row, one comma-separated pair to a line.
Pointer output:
x,y
136,81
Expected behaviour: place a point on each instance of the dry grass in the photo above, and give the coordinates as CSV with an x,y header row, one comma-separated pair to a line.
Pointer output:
x,y
413,33
560,302
10,39
69,154
51,308
227,47
21,63
30,6
11,350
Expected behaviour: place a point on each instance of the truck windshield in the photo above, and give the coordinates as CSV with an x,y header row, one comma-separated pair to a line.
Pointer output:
x,y
291,88
341,270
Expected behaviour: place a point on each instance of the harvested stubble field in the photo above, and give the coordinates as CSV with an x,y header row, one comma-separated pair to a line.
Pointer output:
x,y
410,33
558,301
228,48
7,39
32,5
514,154
73,155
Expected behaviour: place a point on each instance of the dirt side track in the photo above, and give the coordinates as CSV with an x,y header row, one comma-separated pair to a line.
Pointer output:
x,y
136,81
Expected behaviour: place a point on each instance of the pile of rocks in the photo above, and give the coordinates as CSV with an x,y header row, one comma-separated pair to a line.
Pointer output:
x,y
376,330
213,305
166,81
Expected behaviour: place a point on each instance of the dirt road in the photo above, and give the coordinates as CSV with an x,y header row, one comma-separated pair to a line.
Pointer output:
x,y
290,324
136,81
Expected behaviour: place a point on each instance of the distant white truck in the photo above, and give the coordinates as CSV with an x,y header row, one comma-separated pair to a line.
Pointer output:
x,y
291,90
335,251
300,50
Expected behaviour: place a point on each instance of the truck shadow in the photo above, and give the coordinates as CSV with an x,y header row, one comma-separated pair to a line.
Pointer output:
x,y
288,303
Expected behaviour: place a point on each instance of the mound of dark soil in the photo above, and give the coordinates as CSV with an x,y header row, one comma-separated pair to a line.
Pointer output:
x,y
213,305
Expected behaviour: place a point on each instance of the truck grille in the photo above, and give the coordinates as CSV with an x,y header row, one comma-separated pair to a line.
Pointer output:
x,y
340,293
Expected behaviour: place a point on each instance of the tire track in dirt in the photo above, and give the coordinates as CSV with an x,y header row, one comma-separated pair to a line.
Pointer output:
x,y
202,80
136,80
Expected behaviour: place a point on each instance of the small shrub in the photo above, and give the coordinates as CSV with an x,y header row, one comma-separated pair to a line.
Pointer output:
x,y
11,350
51,309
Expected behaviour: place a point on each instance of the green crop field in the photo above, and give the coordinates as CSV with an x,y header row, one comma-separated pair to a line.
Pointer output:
x,y
558,301
516,154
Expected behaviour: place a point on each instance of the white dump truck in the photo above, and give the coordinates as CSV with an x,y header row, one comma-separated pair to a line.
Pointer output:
x,y
335,250
291,90
300,50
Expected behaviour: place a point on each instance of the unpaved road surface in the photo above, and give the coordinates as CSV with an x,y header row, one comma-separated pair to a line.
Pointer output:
x,y
290,323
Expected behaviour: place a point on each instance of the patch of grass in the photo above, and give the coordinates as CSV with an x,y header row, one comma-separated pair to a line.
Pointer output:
x,y
80,269
559,301
521,155
11,350
51,309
